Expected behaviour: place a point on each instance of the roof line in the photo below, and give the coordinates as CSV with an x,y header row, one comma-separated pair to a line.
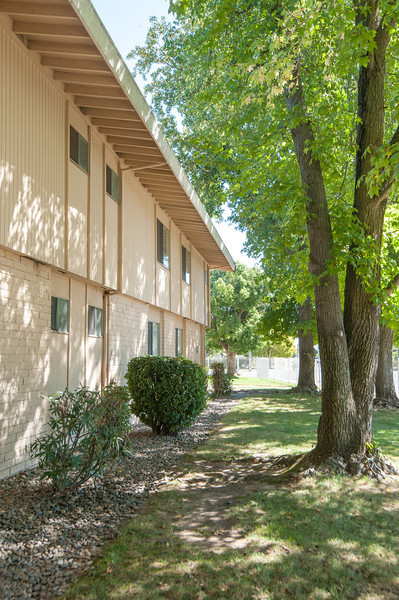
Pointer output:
x,y
111,54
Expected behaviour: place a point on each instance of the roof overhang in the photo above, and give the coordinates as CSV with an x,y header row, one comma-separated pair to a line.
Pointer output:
x,y
73,42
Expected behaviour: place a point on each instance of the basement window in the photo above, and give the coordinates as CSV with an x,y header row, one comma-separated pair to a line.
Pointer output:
x,y
78,149
59,314
95,321
112,183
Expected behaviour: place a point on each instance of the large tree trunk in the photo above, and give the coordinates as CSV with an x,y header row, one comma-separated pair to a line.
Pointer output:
x,y
385,393
362,313
338,431
231,362
306,380
348,354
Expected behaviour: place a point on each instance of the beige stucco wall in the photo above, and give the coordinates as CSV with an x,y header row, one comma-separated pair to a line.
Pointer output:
x,y
25,357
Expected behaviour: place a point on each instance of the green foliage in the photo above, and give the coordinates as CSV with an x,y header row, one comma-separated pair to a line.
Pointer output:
x,y
222,382
219,73
88,430
167,393
236,308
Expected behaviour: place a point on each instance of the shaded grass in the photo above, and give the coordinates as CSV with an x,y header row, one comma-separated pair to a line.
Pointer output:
x,y
320,538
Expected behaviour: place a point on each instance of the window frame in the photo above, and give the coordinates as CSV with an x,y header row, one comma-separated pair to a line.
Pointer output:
x,y
79,158
114,180
154,332
56,316
163,245
98,312
186,265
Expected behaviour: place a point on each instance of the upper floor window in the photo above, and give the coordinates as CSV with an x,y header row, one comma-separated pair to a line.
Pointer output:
x,y
154,338
185,264
112,183
59,314
95,321
163,244
78,149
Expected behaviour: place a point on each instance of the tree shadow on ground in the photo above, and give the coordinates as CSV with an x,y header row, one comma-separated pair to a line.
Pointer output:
x,y
221,531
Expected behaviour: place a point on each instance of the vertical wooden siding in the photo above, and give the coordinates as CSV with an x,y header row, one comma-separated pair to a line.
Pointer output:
x,y
32,164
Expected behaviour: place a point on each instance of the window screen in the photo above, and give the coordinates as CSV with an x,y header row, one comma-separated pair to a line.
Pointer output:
x,y
95,321
112,183
163,244
154,338
186,264
78,149
59,314
179,342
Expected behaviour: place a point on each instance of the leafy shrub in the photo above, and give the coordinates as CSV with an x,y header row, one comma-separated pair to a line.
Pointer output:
x,y
87,431
167,393
222,382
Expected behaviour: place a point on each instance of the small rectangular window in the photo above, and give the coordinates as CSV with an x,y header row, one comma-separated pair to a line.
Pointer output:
x,y
163,244
112,183
185,264
154,338
59,314
179,342
206,276
78,149
95,321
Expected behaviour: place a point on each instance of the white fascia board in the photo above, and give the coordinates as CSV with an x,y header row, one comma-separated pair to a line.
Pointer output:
x,y
106,46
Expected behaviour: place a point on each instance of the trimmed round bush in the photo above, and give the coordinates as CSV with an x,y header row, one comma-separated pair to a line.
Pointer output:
x,y
167,393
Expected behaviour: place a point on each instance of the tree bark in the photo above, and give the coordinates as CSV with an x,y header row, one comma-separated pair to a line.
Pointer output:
x,y
362,313
339,430
306,380
231,362
385,392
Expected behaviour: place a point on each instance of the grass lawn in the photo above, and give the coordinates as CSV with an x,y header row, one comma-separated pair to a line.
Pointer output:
x,y
220,531
240,383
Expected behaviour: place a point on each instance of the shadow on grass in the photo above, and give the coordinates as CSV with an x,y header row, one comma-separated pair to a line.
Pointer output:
x,y
223,532
322,539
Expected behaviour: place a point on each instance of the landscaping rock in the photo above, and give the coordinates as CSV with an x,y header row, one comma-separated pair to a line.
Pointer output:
x,y
46,541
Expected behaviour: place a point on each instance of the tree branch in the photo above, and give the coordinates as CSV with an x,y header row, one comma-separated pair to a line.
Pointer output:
x,y
383,195
392,285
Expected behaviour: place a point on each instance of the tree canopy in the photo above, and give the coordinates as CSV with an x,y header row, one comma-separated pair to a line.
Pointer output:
x,y
291,116
236,309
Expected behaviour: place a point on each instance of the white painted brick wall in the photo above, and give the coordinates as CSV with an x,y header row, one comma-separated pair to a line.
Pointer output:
x,y
25,313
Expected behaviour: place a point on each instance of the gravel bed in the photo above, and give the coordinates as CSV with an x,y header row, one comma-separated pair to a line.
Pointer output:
x,y
47,541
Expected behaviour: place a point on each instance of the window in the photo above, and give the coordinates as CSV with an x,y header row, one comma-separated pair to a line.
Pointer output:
x,y
59,314
112,183
154,338
163,243
78,149
206,276
95,321
185,264
179,342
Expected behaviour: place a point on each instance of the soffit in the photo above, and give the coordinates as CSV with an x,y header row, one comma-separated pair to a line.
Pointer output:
x,y
72,41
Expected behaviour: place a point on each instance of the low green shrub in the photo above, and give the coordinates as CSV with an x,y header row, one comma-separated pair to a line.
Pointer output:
x,y
167,393
222,382
88,430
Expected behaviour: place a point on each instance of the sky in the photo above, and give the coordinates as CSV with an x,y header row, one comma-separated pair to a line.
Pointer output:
x,y
127,22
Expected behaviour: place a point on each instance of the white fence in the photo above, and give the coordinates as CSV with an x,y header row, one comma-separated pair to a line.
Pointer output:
x,y
278,369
